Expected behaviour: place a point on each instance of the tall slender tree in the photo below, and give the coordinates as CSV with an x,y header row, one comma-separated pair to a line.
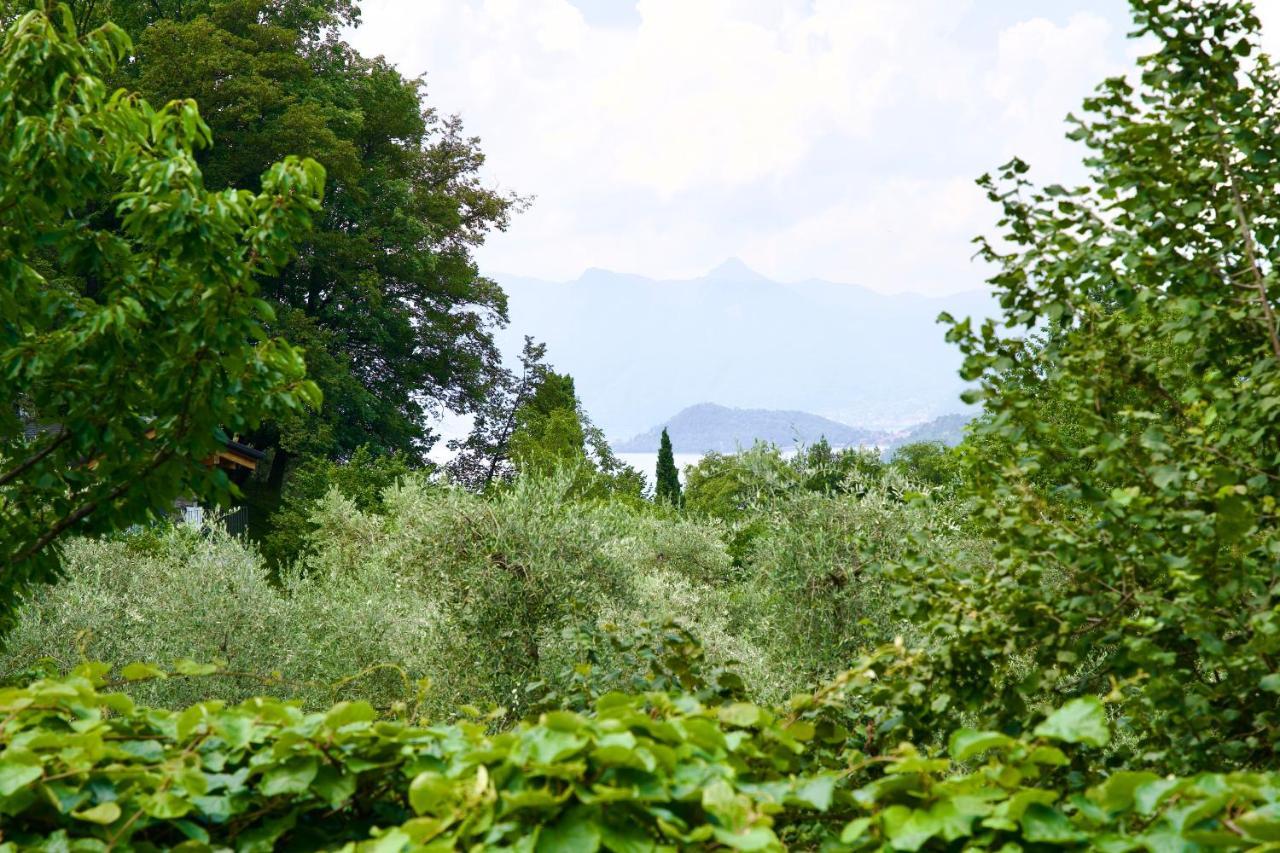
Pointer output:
x,y
668,485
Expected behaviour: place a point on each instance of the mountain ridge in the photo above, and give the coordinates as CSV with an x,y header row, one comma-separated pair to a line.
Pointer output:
x,y
708,428
712,428
641,348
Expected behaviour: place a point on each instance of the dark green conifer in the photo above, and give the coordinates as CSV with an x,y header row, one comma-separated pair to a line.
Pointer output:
x,y
668,486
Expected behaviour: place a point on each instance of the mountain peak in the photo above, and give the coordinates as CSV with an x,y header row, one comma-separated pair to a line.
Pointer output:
x,y
708,427
735,270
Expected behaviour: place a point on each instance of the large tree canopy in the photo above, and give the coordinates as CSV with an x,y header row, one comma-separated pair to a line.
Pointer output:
x,y
129,328
385,295
1128,465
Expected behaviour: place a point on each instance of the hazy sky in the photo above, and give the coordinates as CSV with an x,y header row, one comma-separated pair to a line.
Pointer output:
x,y
836,139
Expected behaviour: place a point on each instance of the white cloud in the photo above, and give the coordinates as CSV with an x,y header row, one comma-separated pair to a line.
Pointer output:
x,y
1269,13
905,234
807,136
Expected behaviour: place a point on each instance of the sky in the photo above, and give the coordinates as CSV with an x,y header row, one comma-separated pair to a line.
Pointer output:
x,y
833,139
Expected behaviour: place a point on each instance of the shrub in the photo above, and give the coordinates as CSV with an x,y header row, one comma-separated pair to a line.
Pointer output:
x,y
815,587
931,463
363,478
474,592
85,768
187,596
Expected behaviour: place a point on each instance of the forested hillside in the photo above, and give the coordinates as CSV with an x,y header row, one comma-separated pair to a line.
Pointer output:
x,y
1062,633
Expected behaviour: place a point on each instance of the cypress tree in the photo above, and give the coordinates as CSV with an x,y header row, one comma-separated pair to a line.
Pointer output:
x,y
668,486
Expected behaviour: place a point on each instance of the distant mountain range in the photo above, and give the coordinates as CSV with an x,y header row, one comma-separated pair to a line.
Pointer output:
x,y
707,428
640,348
948,429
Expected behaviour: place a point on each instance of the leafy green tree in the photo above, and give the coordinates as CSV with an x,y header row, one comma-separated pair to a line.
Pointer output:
x,y
384,294
1132,438
553,432
362,479
615,478
850,469
484,456
668,479
549,433
130,322
930,463
313,18
727,485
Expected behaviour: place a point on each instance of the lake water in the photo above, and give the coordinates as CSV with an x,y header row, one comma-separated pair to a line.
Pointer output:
x,y
647,463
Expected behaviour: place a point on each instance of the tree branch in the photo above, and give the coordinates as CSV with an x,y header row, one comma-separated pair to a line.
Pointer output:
x,y
88,509
31,461
1259,280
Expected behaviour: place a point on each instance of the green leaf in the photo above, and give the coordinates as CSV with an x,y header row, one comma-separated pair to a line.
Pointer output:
x,y
1046,825
102,813
547,746
391,841
1116,793
854,830
1262,823
334,786
147,751
165,805
139,671
966,743
741,714
345,713
14,776
753,838
731,810
578,831
910,829
431,793
1082,720
814,793
293,776
1050,755
1148,796
186,666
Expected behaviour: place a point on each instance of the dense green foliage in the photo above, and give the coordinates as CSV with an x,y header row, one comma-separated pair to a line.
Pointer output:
x,y
129,323
1063,634
552,432
384,294
362,479
86,768
430,575
386,289
1128,464
549,432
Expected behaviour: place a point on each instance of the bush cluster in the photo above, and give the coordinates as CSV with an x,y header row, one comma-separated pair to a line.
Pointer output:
x,y
483,595
85,768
